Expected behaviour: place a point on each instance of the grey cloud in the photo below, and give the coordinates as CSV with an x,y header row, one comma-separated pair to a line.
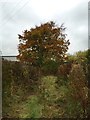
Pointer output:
x,y
26,17
21,14
73,20
13,25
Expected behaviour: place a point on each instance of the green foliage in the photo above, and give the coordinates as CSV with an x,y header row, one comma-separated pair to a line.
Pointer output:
x,y
79,57
50,67
62,80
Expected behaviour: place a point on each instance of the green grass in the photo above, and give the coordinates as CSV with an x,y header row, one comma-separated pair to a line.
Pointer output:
x,y
31,108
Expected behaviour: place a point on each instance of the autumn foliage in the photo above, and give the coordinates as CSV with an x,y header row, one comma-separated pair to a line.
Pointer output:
x,y
42,43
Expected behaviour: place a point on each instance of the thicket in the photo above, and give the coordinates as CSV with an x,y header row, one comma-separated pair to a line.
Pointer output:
x,y
57,91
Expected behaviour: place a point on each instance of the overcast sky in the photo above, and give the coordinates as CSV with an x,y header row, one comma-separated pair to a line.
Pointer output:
x,y
19,15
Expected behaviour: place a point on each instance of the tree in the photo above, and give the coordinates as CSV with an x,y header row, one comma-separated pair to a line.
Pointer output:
x,y
44,42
